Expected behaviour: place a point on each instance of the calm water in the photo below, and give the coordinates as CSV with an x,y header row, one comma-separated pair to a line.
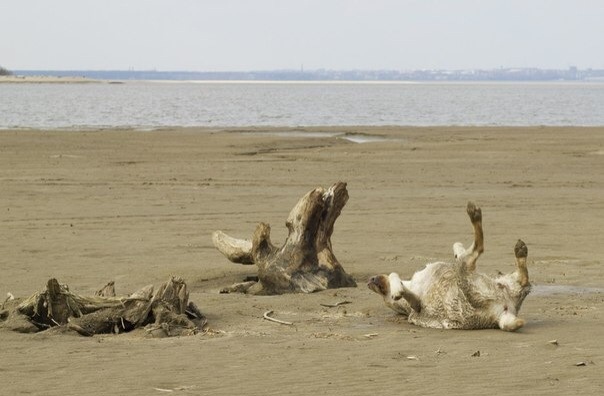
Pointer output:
x,y
148,105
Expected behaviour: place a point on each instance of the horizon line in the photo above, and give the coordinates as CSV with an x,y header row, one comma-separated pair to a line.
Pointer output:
x,y
305,70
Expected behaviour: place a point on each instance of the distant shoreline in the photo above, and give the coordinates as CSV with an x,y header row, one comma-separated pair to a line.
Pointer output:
x,y
437,75
20,79
46,80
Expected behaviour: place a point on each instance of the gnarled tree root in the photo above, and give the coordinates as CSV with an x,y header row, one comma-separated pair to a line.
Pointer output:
x,y
305,263
167,312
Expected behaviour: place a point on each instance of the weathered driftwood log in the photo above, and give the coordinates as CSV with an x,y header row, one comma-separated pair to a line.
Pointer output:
x,y
166,312
305,263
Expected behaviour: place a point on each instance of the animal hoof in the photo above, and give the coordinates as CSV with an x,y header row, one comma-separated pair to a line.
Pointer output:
x,y
474,212
520,249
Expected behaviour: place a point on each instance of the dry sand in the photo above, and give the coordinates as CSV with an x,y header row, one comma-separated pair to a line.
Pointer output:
x,y
136,207
45,80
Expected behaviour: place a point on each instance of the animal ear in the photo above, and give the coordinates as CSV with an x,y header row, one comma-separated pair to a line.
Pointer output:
x,y
395,285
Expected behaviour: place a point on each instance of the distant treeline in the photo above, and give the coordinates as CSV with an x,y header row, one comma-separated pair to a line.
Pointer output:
x,y
501,74
5,72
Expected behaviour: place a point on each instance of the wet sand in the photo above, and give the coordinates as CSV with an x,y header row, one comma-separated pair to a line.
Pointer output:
x,y
88,207
45,80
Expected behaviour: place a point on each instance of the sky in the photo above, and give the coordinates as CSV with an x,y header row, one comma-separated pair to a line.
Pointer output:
x,y
239,35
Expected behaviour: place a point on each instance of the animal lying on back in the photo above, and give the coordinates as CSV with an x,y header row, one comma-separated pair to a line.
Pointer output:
x,y
455,296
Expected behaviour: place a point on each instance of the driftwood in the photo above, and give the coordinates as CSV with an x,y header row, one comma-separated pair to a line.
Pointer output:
x,y
167,312
305,263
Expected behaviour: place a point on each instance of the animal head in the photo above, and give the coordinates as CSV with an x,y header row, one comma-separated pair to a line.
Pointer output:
x,y
388,286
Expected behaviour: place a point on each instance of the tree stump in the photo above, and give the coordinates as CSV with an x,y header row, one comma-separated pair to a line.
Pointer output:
x,y
306,262
167,312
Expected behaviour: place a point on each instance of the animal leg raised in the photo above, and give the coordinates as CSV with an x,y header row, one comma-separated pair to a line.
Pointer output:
x,y
412,298
477,248
521,252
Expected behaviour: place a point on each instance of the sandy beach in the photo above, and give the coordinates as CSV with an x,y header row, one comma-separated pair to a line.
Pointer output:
x,y
135,207
45,80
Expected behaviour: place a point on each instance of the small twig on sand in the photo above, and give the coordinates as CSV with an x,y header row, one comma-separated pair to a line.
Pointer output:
x,y
336,304
267,317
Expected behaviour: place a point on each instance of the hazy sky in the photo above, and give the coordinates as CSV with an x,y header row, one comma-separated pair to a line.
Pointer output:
x,y
237,35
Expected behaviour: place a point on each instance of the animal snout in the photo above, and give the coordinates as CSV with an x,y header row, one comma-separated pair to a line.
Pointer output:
x,y
379,284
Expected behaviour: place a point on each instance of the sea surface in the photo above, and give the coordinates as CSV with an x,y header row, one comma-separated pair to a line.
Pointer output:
x,y
148,105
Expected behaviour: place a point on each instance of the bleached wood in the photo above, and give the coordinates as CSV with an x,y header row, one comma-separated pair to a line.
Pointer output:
x,y
236,250
165,312
305,262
